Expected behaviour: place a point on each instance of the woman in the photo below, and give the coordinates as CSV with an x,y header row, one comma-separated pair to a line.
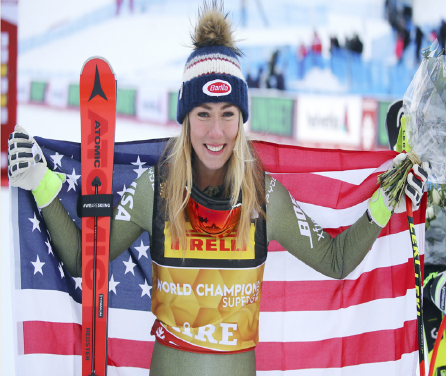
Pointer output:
x,y
210,212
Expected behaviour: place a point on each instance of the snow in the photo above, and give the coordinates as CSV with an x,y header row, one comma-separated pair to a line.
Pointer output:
x,y
320,80
116,41
150,48
429,12
36,17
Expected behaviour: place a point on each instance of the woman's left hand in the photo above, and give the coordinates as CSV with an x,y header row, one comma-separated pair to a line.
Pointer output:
x,y
416,180
380,208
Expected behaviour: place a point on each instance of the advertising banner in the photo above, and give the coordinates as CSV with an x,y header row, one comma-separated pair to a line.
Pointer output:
x,y
38,91
9,16
57,93
126,102
73,95
152,105
329,121
272,115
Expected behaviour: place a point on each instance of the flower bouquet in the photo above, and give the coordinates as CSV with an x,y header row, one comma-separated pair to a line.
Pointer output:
x,y
424,106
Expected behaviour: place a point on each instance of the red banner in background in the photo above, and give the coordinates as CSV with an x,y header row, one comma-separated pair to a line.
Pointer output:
x,y
8,77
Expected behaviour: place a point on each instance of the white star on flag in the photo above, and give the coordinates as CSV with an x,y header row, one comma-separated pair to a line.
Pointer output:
x,y
62,274
38,265
72,180
129,265
142,250
145,289
50,249
112,285
78,282
139,170
71,185
35,222
121,193
57,159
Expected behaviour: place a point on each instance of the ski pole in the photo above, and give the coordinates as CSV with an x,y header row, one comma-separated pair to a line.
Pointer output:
x,y
418,284
402,145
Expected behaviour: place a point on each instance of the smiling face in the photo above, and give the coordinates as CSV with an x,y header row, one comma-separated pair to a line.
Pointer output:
x,y
213,131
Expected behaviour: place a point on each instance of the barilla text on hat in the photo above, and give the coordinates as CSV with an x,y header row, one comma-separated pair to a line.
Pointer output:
x,y
217,88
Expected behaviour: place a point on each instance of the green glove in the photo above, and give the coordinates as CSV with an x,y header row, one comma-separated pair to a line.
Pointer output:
x,y
49,188
378,208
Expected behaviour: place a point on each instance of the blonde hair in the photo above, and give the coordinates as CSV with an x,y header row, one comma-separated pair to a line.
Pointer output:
x,y
244,174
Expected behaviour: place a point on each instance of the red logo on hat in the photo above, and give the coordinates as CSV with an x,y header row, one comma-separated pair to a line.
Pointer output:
x,y
217,88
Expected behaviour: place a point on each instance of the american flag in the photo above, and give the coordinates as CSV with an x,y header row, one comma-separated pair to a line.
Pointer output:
x,y
310,324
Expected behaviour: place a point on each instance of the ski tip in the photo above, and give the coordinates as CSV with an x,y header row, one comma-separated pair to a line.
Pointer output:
x,y
97,58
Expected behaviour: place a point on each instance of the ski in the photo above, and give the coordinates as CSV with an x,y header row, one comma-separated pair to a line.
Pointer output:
x,y
97,91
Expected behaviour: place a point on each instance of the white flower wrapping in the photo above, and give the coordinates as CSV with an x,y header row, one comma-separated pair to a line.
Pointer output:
x,y
424,106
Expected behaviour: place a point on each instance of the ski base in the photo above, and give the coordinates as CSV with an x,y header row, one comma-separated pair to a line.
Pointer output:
x,y
98,115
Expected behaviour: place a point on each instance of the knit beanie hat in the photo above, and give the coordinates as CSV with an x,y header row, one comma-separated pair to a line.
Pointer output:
x,y
212,72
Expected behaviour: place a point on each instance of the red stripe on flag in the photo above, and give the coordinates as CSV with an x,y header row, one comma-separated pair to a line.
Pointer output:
x,y
294,159
378,346
398,223
328,192
129,353
42,337
373,347
283,296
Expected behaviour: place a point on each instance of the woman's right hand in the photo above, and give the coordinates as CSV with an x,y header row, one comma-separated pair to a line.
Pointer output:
x,y
26,162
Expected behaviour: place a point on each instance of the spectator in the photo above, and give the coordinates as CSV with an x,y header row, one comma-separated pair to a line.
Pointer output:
x,y
402,39
407,15
280,79
301,55
316,45
347,43
418,41
433,35
272,69
251,81
399,48
118,6
276,80
392,14
442,35
406,37
316,50
301,52
356,44
334,44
